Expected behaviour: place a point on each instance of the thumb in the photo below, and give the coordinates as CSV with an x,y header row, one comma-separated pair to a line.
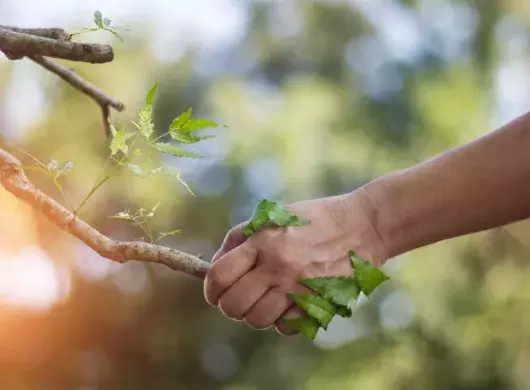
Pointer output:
x,y
233,238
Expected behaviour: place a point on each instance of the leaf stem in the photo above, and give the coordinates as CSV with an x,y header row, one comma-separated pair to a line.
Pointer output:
x,y
140,223
150,143
107,177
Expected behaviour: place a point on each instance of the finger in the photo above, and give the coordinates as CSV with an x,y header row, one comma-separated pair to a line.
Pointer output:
x,y
293,312
227,270
268,309
244,294
233,238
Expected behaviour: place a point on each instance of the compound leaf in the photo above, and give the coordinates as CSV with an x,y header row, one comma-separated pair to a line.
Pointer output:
x,y
119,140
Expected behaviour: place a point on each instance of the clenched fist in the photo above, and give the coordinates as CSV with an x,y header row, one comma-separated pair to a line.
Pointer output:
x,y
251,277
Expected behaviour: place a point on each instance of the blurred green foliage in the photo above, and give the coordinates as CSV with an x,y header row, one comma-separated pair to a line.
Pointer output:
x,y
319,97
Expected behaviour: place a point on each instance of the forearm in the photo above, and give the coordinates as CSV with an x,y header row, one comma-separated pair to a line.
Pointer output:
x,y
481,185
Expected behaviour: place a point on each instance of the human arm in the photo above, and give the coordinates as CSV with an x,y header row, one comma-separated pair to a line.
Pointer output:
x,y
483,184
475,187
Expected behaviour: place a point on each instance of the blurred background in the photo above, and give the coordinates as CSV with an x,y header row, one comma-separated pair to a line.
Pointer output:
x,y
319,98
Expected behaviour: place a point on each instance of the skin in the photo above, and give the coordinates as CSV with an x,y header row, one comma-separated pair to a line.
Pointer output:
x,y
475,187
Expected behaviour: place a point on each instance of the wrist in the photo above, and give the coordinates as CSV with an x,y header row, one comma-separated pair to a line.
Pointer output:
x,y
386,217
405,211
356,215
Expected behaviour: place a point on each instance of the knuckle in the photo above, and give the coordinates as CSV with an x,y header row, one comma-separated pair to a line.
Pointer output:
x,y
265,236
215,277
214,285
232,237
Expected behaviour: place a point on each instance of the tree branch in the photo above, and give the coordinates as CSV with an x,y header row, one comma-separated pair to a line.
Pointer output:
x,y
78,82
52,33
14,180
66,74
18,44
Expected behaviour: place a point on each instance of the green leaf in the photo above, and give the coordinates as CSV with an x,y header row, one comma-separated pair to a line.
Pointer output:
x,y
180,120
197,124
268,212
368,277
106,22
145,122
281,217
316,306
175,150
306,326
145,117
341,290
150,97
170,233
135,169
119,141
52,165
98,19
64,169
187,138
344,311
122,215
260,217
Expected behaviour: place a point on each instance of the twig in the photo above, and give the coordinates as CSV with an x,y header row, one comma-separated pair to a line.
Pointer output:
x,y
14,180
20,44
52,33
66,74
78,82
105,116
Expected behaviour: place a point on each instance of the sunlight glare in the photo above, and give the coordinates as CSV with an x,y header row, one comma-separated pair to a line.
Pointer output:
x,y
30,280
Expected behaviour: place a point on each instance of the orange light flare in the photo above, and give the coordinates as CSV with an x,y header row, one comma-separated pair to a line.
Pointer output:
x,y
31,284
42,318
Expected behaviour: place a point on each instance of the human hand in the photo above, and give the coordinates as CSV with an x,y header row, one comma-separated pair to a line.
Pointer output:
x,y
251,277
